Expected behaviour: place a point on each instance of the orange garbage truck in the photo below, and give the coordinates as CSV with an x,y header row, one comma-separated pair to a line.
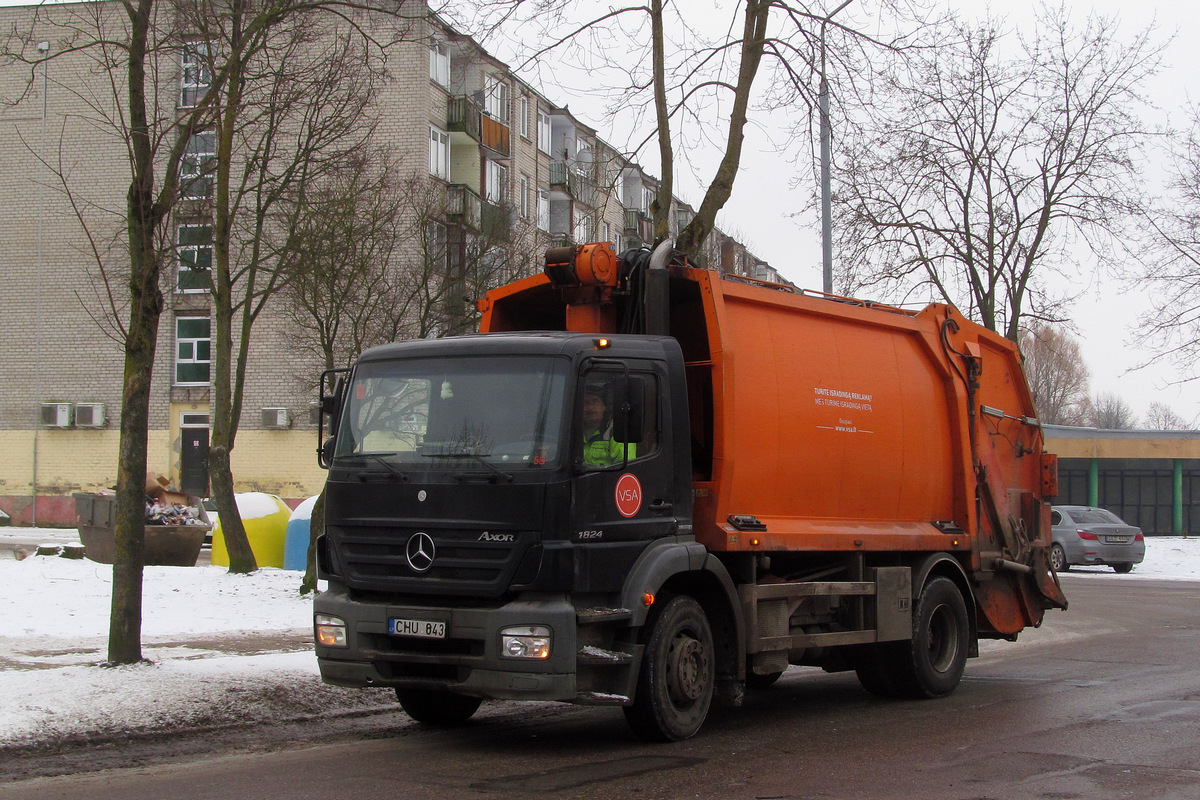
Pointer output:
x,y
647,485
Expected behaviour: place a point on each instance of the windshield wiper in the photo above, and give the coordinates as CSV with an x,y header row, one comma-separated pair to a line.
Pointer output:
x,y
381,458
508,476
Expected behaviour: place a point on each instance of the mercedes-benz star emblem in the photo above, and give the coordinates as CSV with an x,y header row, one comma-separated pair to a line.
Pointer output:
x,y
420,551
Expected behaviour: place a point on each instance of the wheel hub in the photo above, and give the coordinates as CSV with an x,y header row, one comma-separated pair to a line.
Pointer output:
x,y
687,666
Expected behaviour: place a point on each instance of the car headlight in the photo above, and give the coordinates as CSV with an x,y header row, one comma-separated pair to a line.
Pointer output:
x,y
330,631
525,641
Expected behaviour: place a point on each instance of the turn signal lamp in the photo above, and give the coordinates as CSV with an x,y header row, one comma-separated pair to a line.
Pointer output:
x,y
603,344
330,631
647,599
525,641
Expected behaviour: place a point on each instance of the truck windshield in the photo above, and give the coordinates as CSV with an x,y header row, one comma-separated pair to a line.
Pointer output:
x,y
504,410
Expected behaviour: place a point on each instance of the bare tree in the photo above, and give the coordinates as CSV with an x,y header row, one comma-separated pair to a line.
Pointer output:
x,y
295,105
1057,374
1172,261
1161,417
1111,412
691,83
984,164
130,45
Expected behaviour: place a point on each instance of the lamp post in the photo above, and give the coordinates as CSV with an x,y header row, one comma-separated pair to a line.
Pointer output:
x,y
43,49
826,157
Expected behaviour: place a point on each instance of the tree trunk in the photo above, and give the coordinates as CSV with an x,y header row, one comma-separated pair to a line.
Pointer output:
x,y
754,36
141,338
316,526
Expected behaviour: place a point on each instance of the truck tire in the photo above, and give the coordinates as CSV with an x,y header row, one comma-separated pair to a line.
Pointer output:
x,y
441,709
933,662
675,685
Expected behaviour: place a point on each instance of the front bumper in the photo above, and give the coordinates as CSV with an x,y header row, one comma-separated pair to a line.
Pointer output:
x,y
467,661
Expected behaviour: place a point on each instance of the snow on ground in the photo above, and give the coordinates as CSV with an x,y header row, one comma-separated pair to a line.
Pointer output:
x,y
55,613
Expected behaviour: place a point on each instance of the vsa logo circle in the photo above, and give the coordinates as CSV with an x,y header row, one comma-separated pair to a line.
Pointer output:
x,y
629,495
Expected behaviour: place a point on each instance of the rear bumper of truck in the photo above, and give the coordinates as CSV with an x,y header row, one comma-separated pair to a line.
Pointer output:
x,y
467,660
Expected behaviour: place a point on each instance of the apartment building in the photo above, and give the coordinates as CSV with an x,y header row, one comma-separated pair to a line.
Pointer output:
x,y
511,173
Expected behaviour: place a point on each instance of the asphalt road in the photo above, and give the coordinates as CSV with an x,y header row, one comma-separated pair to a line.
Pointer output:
x,y
1102,702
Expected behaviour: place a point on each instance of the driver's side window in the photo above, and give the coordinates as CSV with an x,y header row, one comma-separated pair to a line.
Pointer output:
x,y
618,418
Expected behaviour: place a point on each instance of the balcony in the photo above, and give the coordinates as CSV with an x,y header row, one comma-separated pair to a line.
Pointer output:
x,y
497,222
463,206
575,185
639,225
463,116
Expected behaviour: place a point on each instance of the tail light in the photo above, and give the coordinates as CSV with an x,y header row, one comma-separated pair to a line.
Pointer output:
x,y
1087,535
1140,537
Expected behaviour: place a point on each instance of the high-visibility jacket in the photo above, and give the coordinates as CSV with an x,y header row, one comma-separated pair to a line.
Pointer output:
x,y
599,451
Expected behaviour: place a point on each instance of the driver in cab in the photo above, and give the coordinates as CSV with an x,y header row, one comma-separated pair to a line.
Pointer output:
x,y
599,447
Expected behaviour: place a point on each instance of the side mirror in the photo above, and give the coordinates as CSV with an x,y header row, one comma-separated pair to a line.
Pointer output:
x,y
330,409
629,408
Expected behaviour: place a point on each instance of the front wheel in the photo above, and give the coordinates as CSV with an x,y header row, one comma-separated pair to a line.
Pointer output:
x,y
675,685
442,709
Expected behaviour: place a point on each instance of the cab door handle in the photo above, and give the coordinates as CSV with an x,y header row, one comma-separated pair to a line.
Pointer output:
x,y
661,507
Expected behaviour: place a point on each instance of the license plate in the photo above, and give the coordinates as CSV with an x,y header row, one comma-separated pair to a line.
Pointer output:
x,y
423,628
1116,539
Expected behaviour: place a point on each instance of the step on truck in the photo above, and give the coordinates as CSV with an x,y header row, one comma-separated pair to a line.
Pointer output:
x,y
647,485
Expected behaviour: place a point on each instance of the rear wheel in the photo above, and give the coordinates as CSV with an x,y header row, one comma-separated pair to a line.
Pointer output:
x,y
1122,569
1058,558
437,708
937,655
675,685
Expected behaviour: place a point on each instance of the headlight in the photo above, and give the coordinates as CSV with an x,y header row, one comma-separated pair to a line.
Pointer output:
x,y
330,630
525,641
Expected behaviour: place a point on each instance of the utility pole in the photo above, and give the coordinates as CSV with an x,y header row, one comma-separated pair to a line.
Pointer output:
x,y
826,157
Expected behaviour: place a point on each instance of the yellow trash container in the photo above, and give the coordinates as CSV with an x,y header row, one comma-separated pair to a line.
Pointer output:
x,y
265,517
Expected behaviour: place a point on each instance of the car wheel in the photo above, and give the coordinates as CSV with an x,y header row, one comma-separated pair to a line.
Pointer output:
x,y
1122,569
1058,558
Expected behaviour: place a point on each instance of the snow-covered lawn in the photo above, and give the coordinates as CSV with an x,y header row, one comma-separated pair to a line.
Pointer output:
x,y
55,613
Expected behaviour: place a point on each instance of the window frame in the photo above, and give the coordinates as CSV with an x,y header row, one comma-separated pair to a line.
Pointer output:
x,y
544,131
197,247
439,152
439,63
199,351
194,75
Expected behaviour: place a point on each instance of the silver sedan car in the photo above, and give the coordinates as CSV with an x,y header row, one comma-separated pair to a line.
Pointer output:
x,y
1083,535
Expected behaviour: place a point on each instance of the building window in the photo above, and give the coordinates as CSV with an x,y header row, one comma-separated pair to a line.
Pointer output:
x,y
195,258
647,200
524,121
608,237
195,173
543,210
544,132
495,102
439,63
194,75
439,153
583,228
524,200
193,348
497,178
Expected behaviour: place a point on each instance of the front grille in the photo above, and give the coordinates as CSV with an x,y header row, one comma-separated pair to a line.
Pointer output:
x,y
374,559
